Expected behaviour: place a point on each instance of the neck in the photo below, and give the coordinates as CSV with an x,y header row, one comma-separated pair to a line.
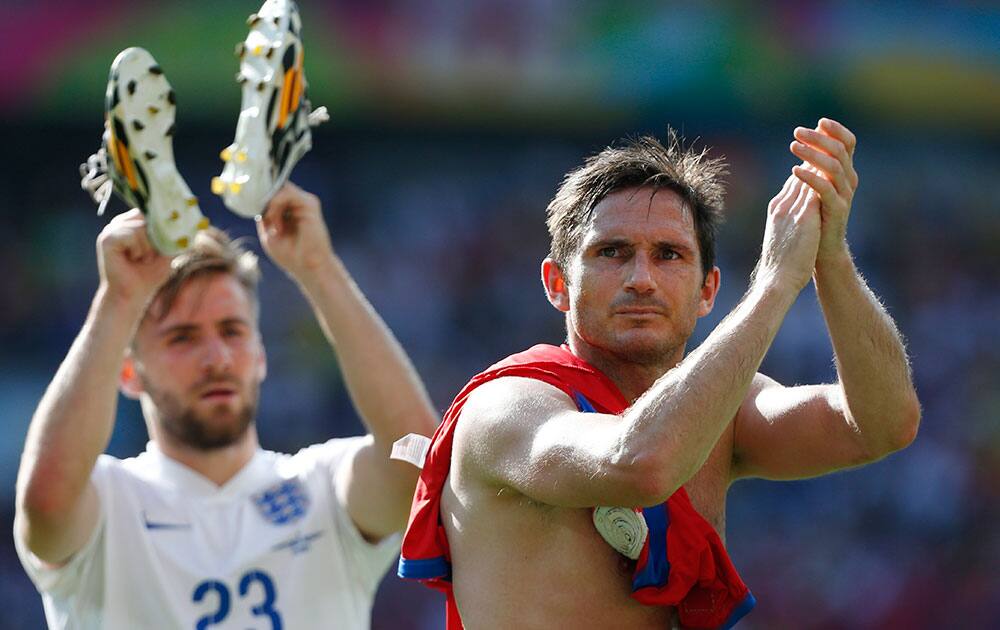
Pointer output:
x,y
631,377
217,465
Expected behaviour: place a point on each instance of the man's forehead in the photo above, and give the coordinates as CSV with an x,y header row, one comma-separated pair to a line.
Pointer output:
x,y
208,299
641,212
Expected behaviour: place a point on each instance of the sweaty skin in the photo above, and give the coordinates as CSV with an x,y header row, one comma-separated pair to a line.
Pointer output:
x,y
511,555
520,562
527,467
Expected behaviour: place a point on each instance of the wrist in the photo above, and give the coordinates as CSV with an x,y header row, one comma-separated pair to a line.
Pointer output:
x,y
777,284
111,302
321,272
115,312
836,262
778,293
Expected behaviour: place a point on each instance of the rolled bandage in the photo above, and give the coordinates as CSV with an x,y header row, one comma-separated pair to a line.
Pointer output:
x,y
411,448
623,528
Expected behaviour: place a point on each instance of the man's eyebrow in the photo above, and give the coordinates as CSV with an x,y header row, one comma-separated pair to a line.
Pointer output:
x,y
675,245
177,328
616,241
611,241
229,321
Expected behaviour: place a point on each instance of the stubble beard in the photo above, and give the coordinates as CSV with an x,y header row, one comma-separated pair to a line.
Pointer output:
x,y
662,352
195,430
646,349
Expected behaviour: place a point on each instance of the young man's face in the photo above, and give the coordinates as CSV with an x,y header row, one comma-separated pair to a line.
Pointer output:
x,y
635,288
201,365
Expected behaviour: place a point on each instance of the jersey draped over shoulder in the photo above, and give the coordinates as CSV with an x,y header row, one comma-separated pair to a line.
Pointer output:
x,y
274,545
683,562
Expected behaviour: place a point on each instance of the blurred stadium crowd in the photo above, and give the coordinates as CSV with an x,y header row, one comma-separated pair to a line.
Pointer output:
x,y
453,124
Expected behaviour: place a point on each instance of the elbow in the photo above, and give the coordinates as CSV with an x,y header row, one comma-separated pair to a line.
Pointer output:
x,y
907,425
40,500
37,504
35,515
650,479
901,431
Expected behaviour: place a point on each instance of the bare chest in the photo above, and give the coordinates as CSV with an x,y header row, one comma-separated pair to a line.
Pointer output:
x,y
707,489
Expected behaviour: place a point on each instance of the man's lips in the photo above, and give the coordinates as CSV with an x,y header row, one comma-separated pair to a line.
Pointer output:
x,y
639,310
217,393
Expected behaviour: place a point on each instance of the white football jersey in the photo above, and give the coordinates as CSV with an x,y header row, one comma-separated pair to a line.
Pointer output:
x,y
272,548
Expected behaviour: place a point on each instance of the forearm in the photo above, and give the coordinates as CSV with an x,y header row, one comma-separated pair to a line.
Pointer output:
x,y
674,426
73,422
385,388
871,360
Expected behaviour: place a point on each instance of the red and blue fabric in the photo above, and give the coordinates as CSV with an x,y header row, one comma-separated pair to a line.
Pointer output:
x,y
683,562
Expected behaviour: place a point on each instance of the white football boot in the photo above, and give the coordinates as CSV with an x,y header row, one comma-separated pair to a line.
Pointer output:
x,y
138,137
273,130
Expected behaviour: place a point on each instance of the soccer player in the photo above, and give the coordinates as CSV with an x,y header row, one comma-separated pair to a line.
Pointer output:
x,y
526,513
205,528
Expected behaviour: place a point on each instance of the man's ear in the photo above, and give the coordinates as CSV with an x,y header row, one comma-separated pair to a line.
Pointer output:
x,y
128,379
261,362
555,285
709,290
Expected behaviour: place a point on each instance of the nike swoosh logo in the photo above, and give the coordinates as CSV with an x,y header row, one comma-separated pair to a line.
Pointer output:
x,y
161,525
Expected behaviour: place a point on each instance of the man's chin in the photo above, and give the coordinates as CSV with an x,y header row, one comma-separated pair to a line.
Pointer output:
x,y
644,345
212,429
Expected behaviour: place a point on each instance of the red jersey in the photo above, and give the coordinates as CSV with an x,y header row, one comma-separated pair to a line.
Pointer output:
x,y
683,562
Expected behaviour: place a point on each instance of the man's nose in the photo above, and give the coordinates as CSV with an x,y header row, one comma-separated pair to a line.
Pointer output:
x,y
217,355
640,274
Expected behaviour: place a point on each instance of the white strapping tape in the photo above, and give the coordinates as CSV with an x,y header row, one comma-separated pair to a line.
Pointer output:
x,y
411,448
623,528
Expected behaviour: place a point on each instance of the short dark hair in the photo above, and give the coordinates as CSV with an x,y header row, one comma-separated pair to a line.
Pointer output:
x,y
211,252
635,163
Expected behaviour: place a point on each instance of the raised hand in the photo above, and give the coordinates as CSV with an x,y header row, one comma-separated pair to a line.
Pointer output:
x,y
293,232
827,153
131,269
791,236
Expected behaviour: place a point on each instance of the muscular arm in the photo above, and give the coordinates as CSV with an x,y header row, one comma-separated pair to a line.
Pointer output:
x,y
385,389
529,436
57,505
791,432
809,430
875,383
555,455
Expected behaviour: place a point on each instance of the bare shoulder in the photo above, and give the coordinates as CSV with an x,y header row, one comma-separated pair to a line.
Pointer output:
x,y
511,398
509,404
763,396
501,414
794,432
768,400
759,384
751,413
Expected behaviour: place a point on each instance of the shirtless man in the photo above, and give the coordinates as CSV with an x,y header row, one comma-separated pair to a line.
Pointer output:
x,y
632,267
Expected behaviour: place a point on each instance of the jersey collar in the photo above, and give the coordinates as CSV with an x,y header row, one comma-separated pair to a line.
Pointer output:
x,y
180,477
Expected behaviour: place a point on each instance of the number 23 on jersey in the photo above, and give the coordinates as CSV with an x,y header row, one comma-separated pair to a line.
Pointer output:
x,y
265,595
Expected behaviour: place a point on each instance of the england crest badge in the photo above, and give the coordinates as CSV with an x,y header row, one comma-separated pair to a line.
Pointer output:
x,y
283,503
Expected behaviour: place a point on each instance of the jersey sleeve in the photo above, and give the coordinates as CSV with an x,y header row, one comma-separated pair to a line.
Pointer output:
x,y
367,561
82,572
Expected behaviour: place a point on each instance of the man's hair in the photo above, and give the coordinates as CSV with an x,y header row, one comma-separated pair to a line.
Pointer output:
x,y
639,162
212,252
